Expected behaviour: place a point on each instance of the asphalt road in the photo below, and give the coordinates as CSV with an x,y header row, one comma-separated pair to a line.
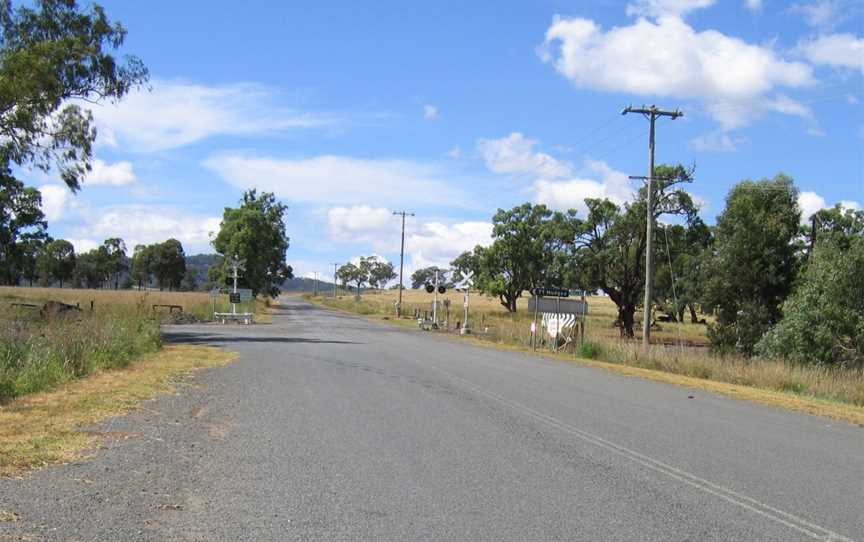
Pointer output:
x,y
330,427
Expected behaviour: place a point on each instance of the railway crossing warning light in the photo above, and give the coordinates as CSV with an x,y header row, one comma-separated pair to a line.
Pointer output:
x,y
430,288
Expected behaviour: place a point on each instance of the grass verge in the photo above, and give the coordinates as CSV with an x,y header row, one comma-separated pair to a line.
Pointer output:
x,y
823,391
47,427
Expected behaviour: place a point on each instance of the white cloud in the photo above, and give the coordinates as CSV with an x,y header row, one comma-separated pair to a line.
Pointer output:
x,y
455,153
337,179
176,114
516,154
753,5
836,50
143,224
439,244
820,13
85,245
571,193
809,202
716,142
668,58
430,112
56,199
659,8
784,104
429,243
118,174
361,223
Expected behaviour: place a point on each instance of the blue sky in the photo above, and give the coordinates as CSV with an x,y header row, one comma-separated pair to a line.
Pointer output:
x,y
350,110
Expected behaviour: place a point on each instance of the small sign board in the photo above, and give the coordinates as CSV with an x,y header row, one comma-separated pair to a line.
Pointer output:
x,y
559,306
245,294
551,292
553,326
234,297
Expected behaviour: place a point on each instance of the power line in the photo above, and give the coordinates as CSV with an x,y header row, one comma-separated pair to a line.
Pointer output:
x,y
637,135
594,131
674,290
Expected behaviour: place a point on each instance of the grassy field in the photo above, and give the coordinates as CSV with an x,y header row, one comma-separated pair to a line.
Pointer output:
x,y
112,329
198,303
678,349
487,312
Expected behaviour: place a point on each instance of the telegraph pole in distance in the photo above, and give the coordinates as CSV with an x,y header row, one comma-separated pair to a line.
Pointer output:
x,y
334,279
651,113
403,214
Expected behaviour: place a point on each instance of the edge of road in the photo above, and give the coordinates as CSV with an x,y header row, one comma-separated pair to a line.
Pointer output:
x,y
55,426
809,405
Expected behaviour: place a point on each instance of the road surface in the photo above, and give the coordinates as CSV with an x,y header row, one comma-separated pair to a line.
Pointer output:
x,y
331,427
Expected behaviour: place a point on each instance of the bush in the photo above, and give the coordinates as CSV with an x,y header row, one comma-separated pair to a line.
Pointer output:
x,y
824,317
36,355
590,350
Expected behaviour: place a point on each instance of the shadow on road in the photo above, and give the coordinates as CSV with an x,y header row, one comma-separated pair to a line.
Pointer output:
x,y
203,338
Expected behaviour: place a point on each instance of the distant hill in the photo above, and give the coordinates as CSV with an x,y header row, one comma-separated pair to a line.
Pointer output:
x,y
197,266
303,284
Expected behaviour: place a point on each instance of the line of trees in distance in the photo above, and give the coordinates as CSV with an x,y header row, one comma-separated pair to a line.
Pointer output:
x,y
373,271
254,231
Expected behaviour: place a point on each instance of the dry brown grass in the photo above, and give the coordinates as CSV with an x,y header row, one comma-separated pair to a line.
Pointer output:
x,y
829,391
487,312
198,303
47,427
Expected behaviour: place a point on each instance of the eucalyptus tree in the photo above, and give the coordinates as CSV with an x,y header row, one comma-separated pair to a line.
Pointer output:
x,y
55,59
752,267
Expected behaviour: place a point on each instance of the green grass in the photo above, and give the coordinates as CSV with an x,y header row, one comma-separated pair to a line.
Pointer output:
x,y
36,355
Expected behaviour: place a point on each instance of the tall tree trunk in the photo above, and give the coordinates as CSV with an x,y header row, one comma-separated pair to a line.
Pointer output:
x,y
626,317
694,319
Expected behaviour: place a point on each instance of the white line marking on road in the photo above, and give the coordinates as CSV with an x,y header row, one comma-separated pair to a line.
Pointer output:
x,y
792,521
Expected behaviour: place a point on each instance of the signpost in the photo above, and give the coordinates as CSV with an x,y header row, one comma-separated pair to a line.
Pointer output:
x,y
559,312
551,292
566,306
235,296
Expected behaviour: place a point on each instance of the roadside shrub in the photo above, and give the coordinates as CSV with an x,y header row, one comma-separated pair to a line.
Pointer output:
x,y
590,350
37,355
823,320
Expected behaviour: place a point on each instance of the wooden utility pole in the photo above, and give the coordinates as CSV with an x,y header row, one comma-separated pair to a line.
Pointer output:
x,y
403,214
651,113
335,278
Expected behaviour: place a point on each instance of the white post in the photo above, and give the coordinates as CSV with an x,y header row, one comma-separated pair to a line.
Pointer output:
x,y
435,302
465,322
234,305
